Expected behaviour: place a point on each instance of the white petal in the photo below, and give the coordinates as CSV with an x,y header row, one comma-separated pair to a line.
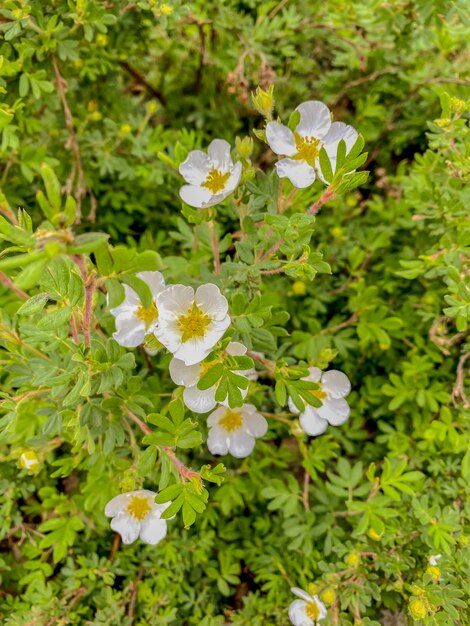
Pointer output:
x,y
198,400
215,417
130,330
219,153
297,614
292,407
314,375
131,302
195,350
255,424
116,505
336,384
315,119
153,530
281,139
312,423
300,173
241,444
182,374
235,348
321,608
339,131
300,593
195,168
209,299
154,280
196,196
170,338
126,526
336,411
217,441
174,301
234,179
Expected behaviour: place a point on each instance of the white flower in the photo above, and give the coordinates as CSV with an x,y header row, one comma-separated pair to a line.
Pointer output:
x,y
133,320
29,460
434,558
307,611
334,386
135,514
211,177
190,324
202,400
234,430
302,147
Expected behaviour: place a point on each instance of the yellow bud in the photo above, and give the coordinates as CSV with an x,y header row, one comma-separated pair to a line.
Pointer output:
x,y
442,122
433,571
152,107
351,201
101,40
244,147
463,541
127,483
353,559
384,346
337,232
96,116
328,596
299,288
78,63
18,14
457,105
92,105
312,589
373,534
166,9
263,101
29,460
125,129
417,608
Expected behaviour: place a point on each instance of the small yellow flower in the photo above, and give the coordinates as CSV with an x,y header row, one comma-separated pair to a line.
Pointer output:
x,y
457,105
373,534
101,40
299,288
433,571
312,589
353,559
166,9
96,116
417,608
328,596
125,129
29,460
152,107
92,105
337,232
263,101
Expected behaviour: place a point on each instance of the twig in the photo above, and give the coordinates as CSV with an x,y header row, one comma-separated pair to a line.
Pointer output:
x,y
135,586
89,287
305,491
143,81
458,392
8,283
115,547
332,329
72,142
215,247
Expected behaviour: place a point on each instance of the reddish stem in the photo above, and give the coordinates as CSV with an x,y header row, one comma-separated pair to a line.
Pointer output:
x,y
215,247
8,283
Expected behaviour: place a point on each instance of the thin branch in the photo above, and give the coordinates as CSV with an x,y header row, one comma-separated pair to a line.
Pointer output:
x,y
8,283
141,80
305,491
72,142
133,600
215,247
458,392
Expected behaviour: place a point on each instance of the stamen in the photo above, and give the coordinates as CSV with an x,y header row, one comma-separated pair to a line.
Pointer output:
x,y
232,420
216,181
139,507
312,611
147,314
308,148
318,393
193,324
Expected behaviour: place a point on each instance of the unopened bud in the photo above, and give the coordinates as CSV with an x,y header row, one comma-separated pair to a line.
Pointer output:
x,y
353,559
373,534
328,596
457,105
434,572
244,147
417,608
263,101
312,589
29,460
299,288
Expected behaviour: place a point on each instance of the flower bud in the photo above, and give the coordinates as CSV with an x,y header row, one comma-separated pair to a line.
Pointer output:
x,y
442,122
337,232
29,460
328,596
433,571
125,129
373,534
457,105
263,101
417,608
353,559
244,147
299,288
101,40
166,9
312,589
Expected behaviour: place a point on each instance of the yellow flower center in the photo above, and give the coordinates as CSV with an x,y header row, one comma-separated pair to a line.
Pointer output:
x,y
312,611
139,507
147,314
193,324
308,148
318,393
232,420
216,181
205,367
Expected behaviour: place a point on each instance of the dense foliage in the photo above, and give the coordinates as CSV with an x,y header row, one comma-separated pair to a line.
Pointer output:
x,y
100,102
